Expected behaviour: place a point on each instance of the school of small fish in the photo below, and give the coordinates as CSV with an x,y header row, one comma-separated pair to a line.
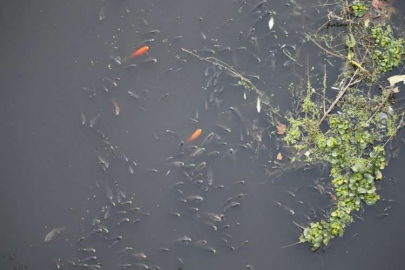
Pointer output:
x,y
192,170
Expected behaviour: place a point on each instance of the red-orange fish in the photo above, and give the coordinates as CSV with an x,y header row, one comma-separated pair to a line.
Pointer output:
x,y
139,52
195,135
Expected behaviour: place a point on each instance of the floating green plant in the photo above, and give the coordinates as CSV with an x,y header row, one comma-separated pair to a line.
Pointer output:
x,y
350,133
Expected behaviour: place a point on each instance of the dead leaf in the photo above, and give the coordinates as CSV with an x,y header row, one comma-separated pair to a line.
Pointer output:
x,y
396,79
378,4
281,129
279,156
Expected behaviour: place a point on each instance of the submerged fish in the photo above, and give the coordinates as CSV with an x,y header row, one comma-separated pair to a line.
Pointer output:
x,y
194,136
116,107
194,198
207,139
138,255
53,233
183,239
139,52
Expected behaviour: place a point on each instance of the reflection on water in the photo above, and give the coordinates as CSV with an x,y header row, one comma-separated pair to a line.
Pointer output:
x,y
147,198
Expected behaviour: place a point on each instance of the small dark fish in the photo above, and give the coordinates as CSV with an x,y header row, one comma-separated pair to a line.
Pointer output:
x,y
144,21
151,171
258,5
194,198
193,120
291,193
237,113
287,63
257,21
80,239
242,182
207,51
203,36
223,128
231,205
188,176
124,265
210,176
227,22
164,249
147,41
82,119
165,96
122,221
177,38
214,217
255,56
89,250
211,225
130,169
241,6
172,133
184,239
210,249
53,233
193,209
242,244
201,166
191,148
142,266
207,139
136,221
189,166
149,60
93,122
200,243
125,250
252,31
104,228
138,255
197,153
152,32
213,153
168,70
198,176
175,214
177,164
87,259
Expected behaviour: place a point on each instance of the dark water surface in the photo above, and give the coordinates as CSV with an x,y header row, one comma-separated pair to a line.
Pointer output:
x,y
57,64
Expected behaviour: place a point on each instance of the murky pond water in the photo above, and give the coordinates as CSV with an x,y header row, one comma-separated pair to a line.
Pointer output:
x,y
89,141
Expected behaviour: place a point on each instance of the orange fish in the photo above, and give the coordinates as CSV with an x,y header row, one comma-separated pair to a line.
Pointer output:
x,y
139,52
195,135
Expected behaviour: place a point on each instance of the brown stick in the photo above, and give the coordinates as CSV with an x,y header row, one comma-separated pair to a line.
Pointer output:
x,y
339,96
355,63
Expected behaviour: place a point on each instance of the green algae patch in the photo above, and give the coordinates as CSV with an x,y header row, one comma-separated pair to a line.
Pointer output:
x,y
349,132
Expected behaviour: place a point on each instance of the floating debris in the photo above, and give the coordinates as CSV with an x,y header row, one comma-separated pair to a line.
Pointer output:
x,y
271,23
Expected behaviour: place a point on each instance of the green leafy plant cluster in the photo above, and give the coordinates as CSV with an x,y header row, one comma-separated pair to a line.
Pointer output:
x,y
359,9
352,147
387,51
